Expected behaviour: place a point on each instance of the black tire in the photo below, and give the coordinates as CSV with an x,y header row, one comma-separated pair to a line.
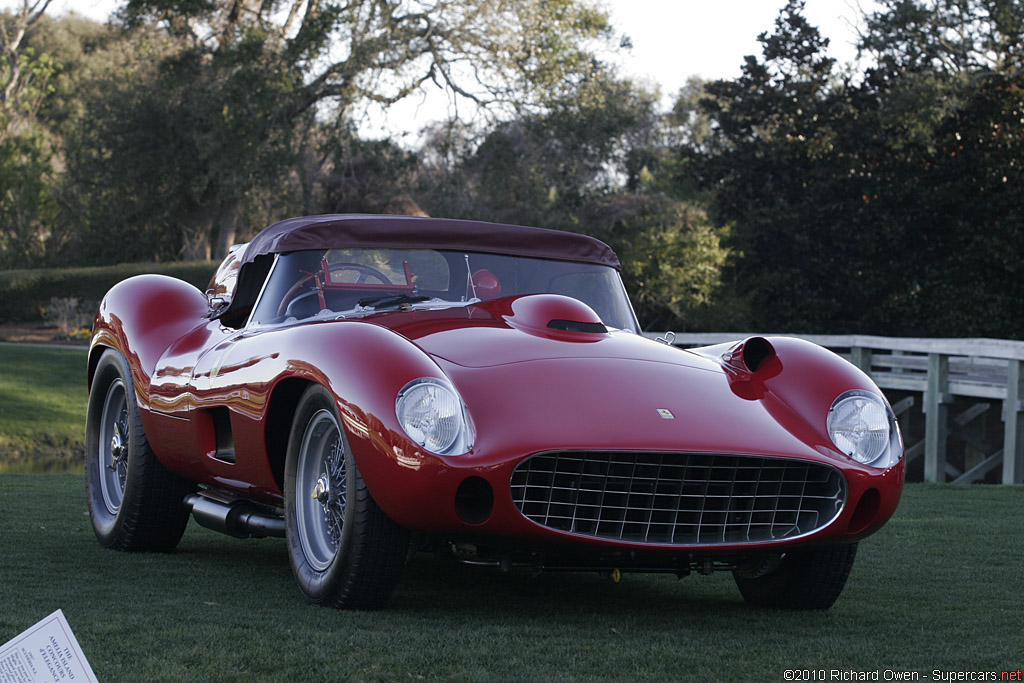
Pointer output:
x,y
135,503
807,578
345,552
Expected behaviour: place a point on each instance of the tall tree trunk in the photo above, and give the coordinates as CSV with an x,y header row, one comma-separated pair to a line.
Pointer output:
x,y
196,245
226,229
195,237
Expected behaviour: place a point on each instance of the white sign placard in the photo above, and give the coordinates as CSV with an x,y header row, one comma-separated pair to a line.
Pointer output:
x,y
45,653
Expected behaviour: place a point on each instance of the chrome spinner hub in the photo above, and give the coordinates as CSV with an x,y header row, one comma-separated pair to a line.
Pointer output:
x,y
117,448
322,491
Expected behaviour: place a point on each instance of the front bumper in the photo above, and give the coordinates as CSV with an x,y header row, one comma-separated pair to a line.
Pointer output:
x,y
595,502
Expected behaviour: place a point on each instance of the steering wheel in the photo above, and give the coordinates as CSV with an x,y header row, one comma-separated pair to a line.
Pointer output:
x,y
365,272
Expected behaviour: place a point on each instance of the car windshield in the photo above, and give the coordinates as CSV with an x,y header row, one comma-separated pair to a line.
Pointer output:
x,y
333,282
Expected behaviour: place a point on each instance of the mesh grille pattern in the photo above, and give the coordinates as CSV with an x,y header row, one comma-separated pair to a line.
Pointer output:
x,y
677,498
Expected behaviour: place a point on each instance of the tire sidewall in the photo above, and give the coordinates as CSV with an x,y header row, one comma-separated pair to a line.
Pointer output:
x,y
111,367
806,578
318,586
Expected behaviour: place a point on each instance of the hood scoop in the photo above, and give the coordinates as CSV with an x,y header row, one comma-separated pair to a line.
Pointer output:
x,y
750,355
748,364
577,326
549,315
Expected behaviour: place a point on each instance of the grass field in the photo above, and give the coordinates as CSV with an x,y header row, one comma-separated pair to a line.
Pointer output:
x,y
42,408
939,588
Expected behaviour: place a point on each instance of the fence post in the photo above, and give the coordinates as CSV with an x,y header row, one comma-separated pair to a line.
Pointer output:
x,y
1013,429
861,357
936,414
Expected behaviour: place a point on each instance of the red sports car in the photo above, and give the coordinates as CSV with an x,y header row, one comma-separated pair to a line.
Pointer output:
x,y
369,386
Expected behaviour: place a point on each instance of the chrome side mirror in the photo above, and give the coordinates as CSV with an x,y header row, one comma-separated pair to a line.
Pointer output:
x,y
217,302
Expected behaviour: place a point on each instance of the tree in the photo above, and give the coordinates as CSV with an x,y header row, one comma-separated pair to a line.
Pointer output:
x,y
543,168
665,163
945,37
12,35
579,166
950,80
771,146
672,255
28,205
223,114
367,176
887,205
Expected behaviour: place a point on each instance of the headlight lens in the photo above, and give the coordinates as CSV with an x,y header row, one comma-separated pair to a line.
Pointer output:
x,y
432,414
863,426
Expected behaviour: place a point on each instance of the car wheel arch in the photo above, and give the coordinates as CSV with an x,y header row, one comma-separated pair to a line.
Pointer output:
x,y
95,353
281,408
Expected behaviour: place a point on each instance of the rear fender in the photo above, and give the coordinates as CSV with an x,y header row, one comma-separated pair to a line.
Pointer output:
x,y
140,317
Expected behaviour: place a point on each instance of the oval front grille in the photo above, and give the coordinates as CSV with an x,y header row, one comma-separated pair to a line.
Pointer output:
x,y
677,498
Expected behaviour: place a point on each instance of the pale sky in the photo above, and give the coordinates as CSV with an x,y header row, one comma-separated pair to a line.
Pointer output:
x,y
672,40
675,39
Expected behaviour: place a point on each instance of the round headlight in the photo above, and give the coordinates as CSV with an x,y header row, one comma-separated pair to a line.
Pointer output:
x,y
433,416
862,426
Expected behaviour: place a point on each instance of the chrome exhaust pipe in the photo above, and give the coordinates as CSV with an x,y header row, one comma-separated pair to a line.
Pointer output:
x,y
233,516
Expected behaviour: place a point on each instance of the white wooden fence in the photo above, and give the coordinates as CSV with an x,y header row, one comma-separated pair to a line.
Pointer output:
x,y
989,371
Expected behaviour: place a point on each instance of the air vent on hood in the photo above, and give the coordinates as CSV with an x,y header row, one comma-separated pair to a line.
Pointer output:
x,y
577,326
551,316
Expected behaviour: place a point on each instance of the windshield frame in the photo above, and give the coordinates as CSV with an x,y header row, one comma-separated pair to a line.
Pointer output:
x,y
612,295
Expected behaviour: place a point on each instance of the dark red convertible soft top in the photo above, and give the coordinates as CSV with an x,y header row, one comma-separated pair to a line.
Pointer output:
x,y
342,231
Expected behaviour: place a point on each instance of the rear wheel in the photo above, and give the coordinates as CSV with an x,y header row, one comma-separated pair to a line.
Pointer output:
x,y
345,552
806,578
135,503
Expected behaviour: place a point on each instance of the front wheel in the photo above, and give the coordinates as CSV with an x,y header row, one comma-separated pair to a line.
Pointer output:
x,y
806,578
135,503
345,552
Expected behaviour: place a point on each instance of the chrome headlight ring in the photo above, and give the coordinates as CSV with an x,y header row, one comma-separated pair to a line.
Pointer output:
x,y
863,426
433,415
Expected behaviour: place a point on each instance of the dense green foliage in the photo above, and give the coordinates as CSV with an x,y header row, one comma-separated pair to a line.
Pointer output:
x,y
193,143
25,294
889,203
803,195
221,609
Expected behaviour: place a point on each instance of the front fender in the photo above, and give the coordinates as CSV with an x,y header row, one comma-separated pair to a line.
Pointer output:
x,y
363,365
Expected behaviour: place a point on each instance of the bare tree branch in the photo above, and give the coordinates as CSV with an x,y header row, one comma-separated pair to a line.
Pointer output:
x,y
12,33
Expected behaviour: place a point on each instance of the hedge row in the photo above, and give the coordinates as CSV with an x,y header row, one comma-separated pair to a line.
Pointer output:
x,y
26,294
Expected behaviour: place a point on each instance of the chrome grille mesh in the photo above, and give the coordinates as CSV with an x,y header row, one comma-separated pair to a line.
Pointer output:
x,y
677,498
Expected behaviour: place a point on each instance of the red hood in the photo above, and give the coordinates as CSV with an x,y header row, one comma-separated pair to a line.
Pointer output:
x,y
600,390
526,328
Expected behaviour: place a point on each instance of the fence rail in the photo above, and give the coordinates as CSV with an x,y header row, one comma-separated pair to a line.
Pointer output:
x,y
987,371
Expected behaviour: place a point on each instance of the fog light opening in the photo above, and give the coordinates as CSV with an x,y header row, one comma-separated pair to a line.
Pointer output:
x,y
474,500
866,510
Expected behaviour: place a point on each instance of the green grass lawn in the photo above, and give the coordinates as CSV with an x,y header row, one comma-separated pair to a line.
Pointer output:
x,y
42,408
939,588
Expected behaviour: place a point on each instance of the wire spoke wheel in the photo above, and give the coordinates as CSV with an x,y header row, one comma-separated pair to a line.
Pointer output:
x,y
344,551
321,490
112,452
134,502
